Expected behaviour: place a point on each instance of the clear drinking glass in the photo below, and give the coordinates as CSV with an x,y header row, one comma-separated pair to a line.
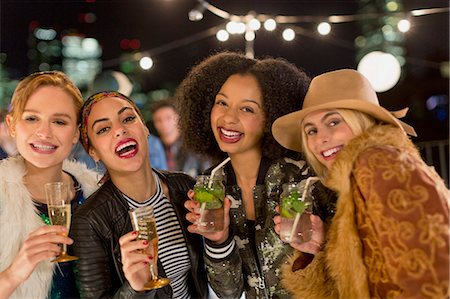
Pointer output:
x,y
144,222
295,211
58,204
210,193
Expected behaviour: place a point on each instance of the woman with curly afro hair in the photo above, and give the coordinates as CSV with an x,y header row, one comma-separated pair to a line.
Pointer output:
x,y
227,104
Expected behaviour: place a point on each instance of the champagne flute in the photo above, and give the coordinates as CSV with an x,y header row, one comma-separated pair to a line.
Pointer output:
x,y
144,222
58,204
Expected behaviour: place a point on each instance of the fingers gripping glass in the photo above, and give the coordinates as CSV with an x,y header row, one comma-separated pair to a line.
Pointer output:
x,y
144,222
58,203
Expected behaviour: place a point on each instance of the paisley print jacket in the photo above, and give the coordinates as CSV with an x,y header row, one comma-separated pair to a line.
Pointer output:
x,y
390,235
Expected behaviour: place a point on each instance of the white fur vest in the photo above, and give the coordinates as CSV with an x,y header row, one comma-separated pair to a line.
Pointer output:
x,y
19,217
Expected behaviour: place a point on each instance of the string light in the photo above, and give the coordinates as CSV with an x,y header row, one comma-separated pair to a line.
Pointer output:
x,y
324,28
222,35
196,14
404,25
288,34
270,25
251,22
146,63
248,24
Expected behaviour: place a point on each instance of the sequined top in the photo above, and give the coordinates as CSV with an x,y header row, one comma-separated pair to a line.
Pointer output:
x,y
63,284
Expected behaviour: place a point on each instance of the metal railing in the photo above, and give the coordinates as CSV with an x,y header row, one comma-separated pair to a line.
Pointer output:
x,y
436,154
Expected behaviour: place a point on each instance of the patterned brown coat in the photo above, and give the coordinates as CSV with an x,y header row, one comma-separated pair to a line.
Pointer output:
x,y
390,235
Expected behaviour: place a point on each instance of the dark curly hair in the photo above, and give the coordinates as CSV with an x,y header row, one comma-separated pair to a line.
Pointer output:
x,y
282,84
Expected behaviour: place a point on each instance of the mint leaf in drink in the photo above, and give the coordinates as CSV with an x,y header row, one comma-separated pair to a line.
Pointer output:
x,y
299,206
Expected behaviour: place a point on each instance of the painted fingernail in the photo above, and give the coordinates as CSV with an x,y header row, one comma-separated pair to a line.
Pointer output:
x,y
134,233
145,242
150,257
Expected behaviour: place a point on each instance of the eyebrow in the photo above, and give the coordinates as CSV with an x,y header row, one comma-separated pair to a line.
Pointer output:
x,y
105,119
328,114
246,100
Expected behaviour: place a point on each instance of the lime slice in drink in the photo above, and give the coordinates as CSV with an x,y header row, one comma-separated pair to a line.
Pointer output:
x,y
214,204
202,195
286,213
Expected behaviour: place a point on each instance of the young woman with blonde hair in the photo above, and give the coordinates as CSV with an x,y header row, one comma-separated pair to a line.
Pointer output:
x,y
44,124
390,235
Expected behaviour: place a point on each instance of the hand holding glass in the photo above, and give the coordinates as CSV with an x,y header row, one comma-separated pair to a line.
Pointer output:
x,y
295,210
210,193
144,222
59,212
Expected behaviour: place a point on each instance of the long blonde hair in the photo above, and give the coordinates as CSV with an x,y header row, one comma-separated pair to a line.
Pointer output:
x,y
358,123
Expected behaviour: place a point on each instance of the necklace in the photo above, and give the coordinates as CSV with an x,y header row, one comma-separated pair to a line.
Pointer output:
x,y
45,218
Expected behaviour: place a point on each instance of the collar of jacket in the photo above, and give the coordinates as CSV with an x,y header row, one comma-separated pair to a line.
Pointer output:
x,y
263,168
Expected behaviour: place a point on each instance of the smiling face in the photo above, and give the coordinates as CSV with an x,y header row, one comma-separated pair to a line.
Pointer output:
x,y
326,135
117,135
237,116
47,129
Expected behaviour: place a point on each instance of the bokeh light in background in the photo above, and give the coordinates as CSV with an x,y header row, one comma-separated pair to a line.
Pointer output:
x,y
381,69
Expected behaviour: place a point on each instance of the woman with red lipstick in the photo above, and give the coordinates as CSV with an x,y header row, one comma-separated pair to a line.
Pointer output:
x,y
43,121
390,235
111,264
227,104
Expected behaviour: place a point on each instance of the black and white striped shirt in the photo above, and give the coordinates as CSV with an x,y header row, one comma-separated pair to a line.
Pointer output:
x,y
172,249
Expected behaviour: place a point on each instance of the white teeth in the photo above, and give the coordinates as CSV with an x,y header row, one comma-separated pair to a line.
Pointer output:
x,y
229,133
44,147
122,146
125,153
331,151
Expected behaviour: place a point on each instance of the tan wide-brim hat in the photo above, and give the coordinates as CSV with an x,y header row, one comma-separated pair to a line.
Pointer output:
x,y
344,88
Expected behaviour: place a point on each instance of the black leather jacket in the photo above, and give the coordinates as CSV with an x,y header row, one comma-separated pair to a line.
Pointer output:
x,y
103,219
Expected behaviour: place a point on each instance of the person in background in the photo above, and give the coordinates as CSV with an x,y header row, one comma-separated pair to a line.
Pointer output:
x,y
43,121
111,263
227,104
165,121
156,153
390,235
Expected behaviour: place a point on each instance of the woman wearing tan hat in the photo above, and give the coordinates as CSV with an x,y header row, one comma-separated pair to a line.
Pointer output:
x,y
390,235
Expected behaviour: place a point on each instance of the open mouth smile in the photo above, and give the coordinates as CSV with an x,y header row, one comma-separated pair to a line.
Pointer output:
x,y
43,148
230,136
332,152
127,148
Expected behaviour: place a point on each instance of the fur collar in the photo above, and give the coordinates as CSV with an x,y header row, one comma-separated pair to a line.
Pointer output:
x,y
19,217
379,135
